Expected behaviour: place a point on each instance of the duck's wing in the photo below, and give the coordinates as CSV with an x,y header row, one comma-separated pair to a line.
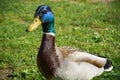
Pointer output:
x,y
79,56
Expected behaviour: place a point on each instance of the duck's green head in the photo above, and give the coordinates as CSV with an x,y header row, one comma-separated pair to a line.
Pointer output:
x,y
44,16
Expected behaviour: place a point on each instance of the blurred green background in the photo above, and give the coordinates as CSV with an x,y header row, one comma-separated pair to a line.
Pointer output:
x,y
90,25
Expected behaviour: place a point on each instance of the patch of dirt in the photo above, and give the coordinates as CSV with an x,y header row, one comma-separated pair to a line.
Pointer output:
x,y
97,28
93,1
4,73
103,1
22,21
56,0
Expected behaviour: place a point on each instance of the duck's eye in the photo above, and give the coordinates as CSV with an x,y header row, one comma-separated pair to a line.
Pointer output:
x,y
44,11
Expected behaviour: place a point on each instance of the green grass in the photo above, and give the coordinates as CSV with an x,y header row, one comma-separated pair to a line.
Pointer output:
x,y
90,26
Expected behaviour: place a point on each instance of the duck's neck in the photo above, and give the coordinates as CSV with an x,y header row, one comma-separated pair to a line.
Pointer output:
x,y
48,27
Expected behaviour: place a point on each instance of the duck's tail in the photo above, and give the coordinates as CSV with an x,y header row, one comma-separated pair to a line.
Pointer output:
x,y
108,66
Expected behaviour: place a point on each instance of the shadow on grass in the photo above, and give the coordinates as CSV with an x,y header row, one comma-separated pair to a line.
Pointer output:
x,y
115,12
5,5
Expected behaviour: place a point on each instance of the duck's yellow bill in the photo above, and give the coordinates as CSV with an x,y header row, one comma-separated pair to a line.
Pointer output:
x,y
34,24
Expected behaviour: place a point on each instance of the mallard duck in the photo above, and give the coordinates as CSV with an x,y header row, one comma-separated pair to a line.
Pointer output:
x,y
63,63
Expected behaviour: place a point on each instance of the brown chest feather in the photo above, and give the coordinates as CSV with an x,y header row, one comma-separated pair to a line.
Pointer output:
x,y
47,59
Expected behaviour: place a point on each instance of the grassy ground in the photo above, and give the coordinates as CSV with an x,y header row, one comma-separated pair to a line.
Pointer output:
x,y
90,25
